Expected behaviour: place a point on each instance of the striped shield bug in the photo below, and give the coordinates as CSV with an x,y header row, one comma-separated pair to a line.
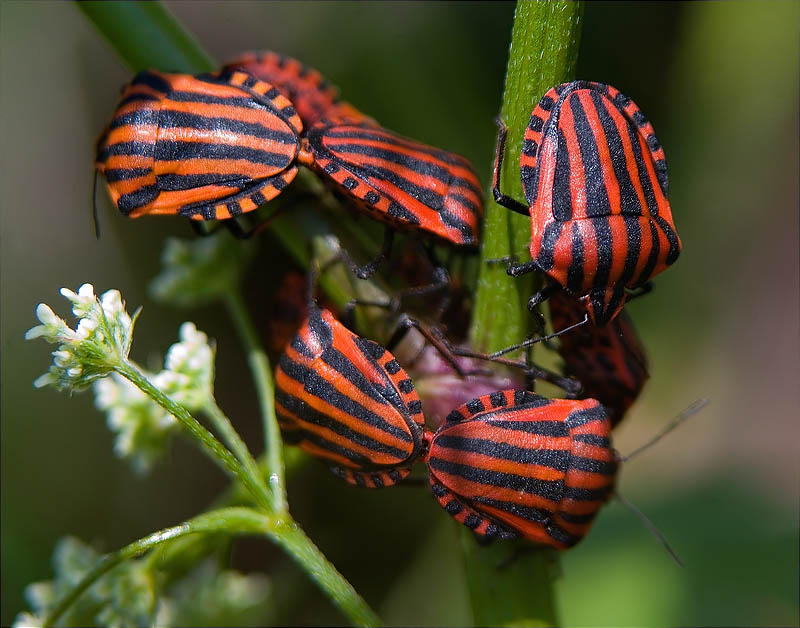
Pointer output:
x,y
515,464
216,146
399,181
208,147
595,180
313,96
610,362
345,399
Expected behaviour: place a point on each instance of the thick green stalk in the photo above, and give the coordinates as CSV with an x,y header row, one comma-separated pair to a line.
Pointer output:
x,y
208,442
146,35
544,48
265,389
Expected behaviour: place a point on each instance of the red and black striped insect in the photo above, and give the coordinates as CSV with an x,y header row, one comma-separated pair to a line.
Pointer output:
x,y
208,147
595,179
215,146
398,181
345,399
313,96
514,464
610,361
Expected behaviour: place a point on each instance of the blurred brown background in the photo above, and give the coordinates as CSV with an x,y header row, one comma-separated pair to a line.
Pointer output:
x,y
719,81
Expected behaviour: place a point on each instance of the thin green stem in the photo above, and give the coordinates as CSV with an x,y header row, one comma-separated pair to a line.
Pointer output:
x,y
291,536
227,520
544,48
232,439
208,442
265,389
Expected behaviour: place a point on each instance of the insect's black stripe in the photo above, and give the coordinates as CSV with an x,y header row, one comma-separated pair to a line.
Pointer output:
x,y
575,270
547,489
652,258
629,199
231,101
400,212
422,194
152,80
362,133
168,118
549,238
124,174
582,417
138,198
541,428
137,118
576,519
587,494
597,203
644,176
562,190
166,150
335,448
208,208
559,534
590,465
536,515
558,459
633,234
301,409
137,98
175,182
383,395
415,164
128,149
604,242
593,439
233,207
672,238
317,386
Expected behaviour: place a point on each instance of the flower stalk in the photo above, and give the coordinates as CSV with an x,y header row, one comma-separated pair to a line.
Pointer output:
x,y
543,52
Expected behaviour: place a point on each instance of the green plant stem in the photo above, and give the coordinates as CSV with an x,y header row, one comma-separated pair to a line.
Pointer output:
x,y
146,35
544,48
291,536
232,439
237,521
265,389
227,520
209,443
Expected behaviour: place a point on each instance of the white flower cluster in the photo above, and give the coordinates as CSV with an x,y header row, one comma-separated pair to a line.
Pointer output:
x,y
125,596
101,340
132,594
143,427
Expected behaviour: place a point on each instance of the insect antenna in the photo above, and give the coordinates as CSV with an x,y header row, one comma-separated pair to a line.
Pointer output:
x,y
659,536
692,409
94,208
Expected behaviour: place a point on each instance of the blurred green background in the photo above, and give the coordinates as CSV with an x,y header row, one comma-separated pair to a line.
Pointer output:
x,y
719,82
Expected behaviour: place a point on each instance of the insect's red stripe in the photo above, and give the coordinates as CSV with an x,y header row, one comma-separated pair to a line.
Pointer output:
x,y
380,423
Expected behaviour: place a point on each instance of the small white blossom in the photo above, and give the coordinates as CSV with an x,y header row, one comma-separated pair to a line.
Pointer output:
x,y
125,596
100,341
143,428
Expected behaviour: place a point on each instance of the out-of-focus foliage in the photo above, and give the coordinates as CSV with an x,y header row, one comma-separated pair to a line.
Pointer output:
x,y
719,81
